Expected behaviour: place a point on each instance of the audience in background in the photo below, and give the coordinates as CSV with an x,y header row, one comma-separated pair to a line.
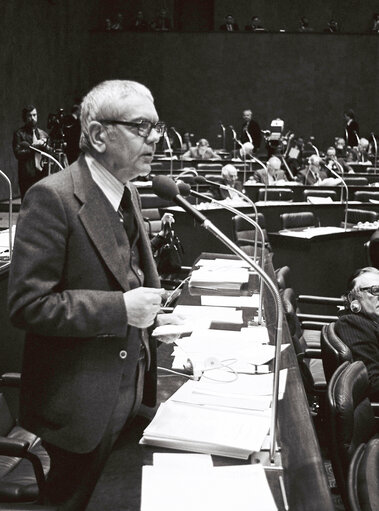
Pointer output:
x,y
304,25
295,155
187,142
255,25
202,151
351,128
358,327
230,178
252,128
337,164
313,174
274,175
230,25
119,22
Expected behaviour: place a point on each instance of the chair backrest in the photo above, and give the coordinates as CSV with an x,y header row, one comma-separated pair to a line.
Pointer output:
x,y
362,481
351,418
289,307
276,194
296,220
361,215
215,178
283,275
150,200
356,181
363,196
319,193
244,233
334,351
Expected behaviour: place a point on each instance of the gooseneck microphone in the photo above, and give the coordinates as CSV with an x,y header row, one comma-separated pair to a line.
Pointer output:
x,y
186,190
165,188
347,193
167,139
10,197
376,149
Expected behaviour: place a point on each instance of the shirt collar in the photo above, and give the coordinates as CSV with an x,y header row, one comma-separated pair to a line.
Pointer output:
x,y
112,188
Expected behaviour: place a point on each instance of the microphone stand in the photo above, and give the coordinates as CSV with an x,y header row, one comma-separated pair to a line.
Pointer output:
x,y
234,138
170,151
180,142
223,136
356,136
257,228
9,212
347,195
315,149
376,150
47,156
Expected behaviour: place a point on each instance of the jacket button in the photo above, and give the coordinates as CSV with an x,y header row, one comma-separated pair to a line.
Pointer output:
x,y
123,354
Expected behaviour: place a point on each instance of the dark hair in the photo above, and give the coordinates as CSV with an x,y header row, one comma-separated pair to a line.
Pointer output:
x,y
350,113
26,110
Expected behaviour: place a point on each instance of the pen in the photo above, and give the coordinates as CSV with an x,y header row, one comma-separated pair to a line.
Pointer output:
x,y
283,490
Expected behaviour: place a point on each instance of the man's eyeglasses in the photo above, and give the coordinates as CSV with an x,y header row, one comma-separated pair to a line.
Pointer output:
x,y
144,127
374,290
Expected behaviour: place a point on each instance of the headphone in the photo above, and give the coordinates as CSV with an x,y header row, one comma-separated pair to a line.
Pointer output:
x,y
352,304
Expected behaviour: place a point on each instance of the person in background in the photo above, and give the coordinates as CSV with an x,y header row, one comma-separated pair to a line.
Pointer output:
x,y
88,292
139,24
255,25
351,128
332,27
162,22
230,25
118,24
375,23
29,162
229,176
274,174
202,151
337,164
304,25
187,142
361,151
251,127
340,146
358,327
313,174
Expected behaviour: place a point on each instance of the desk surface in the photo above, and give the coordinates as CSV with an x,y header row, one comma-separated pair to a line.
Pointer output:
x,y
304,475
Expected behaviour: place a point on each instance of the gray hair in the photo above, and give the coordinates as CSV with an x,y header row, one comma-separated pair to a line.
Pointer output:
x,y
352,291
101,102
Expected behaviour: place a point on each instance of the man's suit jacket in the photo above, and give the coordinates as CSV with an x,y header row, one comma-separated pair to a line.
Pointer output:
x,y
352,131
308,178
221,194
261,176
255,133
66,285
361,335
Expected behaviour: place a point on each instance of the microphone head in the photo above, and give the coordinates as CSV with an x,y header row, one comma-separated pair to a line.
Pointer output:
x,y
184,189
165,187
200,180
186,179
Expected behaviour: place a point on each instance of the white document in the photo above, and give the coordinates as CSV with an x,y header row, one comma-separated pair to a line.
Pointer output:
x,y
179,461
212,278
241,488
200,315
230,301
312,231
220,263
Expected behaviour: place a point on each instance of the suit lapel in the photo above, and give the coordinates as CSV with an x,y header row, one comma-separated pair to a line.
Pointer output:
x,y
95,218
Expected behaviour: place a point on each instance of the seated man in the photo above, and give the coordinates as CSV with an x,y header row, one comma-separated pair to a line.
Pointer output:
x,y
230,178
360,152
274,174
359,326
202,151
337,164
313,174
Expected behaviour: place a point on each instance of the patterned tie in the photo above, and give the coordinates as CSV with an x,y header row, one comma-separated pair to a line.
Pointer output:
x,y
127,212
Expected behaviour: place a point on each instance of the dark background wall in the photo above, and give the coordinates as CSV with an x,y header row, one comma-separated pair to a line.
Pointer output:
x,y
51,55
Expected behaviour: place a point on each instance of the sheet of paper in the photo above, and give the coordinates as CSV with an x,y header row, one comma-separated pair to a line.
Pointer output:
x,y
222,263
199,314
178,461
230,301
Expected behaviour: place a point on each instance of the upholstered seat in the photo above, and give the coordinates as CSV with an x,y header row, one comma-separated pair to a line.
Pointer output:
x,y
297,220
363,477
333,350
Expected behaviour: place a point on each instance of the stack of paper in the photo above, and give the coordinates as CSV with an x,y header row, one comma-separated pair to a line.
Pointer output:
x,y
209,278
196,486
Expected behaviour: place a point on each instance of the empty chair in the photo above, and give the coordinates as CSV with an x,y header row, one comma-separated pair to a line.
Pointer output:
x,y
285,194
363,196
333,350
319,193
362,482
150,204
360,215
244,233
356,181
297,220
351,418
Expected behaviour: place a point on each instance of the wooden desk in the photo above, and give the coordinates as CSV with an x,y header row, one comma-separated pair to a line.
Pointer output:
x,y
304,475
195,239
321,265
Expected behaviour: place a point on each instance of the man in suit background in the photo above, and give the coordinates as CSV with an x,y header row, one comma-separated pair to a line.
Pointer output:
x,y
313,174
29,161
274,174
252,128
84,286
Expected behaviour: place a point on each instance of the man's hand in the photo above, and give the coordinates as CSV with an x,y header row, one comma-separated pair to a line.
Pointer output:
x,y
172,318
142,305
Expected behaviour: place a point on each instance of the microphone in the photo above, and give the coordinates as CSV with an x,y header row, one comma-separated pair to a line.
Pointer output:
x,y
235,140
47,156
376,149
185,190
165,188
347,192
314,148
187,172
180,142
167,139
223,136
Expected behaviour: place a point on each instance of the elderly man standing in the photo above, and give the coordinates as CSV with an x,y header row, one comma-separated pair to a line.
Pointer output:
x,y
250,127
84,286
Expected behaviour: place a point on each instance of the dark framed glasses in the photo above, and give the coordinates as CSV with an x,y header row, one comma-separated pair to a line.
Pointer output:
x,y
374,290
144,127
